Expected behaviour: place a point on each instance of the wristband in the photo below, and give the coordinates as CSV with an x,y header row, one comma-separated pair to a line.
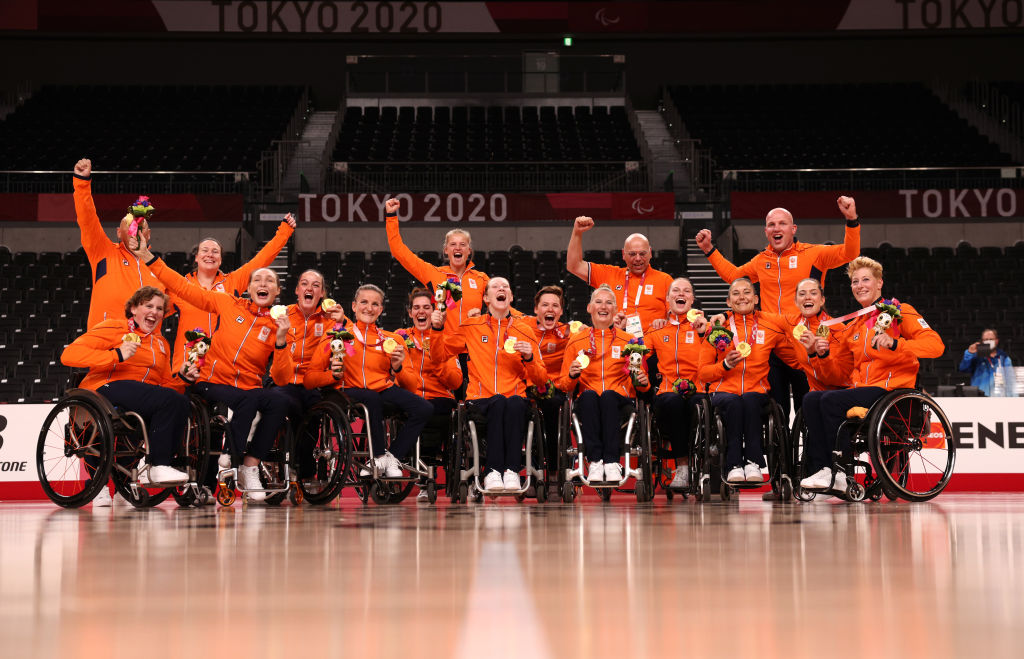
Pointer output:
x,y
387,215
398,370
525,360
708,254
277,347
853,223
120,357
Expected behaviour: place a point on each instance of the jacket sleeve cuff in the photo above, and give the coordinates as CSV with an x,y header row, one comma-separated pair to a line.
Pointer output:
x,y
120,357
83,178
713,250
152,260
395,214
895,342
853,223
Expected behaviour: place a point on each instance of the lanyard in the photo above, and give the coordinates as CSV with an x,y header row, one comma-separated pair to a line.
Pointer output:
x,y
736,335
639,291
359,335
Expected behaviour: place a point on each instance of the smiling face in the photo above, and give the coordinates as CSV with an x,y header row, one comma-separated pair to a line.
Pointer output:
x,y
263,287
548,311
809,298
498,296
602,309
458,250
742,299
636,253
865,286
122,230
368,306
680,296
148,314
780,229
420,310
208,256
309,291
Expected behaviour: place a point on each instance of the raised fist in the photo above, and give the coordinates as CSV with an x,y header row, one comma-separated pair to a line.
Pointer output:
x,y
83,167
703,240
290,219
391,206
583,224
847,207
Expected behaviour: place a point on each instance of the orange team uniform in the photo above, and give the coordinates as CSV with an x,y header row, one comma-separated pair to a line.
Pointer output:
x,y
677,346
473,282
304,336
245,338
97,351
765,333
608,368
190,316
492,371
552,345
369,368
820,378
779,274
116,272
644,295
423,377
887,368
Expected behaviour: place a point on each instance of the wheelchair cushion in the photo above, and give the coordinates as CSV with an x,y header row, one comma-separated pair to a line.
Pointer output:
x,y
856,413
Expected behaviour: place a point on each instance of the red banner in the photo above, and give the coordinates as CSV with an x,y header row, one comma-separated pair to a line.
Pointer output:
x,y
477,207
887,204
112,207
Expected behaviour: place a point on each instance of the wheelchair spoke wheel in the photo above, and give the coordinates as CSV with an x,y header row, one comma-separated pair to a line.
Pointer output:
x,y
910,442
323,451
605,493
74,451
194,453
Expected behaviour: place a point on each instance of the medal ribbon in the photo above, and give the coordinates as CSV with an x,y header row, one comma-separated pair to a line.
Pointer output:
x,y
736,334
639,291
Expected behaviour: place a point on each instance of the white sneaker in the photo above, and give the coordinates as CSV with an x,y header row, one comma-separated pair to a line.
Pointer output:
x,y
681,480
367,470
392,467
819,480
840,484
224,461
166,474
249,479
511,481
102,500
493,482
596,471
422,496
736,475
752,472
612,472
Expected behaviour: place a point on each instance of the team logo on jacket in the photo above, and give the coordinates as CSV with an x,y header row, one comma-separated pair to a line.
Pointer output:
x,y
689,337
219,287
483,339
792,262
472,283
856,337
551,347
616,352
767,265
239,320
664,339
760,336
124,261
619,287
264,333
318,329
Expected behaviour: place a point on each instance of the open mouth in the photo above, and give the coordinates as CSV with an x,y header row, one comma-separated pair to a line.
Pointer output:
x,y
549,318
420,318
808,305
501,297
307,296
262,295
457,256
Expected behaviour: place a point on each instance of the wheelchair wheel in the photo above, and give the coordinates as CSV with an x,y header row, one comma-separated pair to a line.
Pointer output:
x,y
75,450
324,439
642,436
778,453
700,462
273,468
568,492
910,442
193,456
798,438
128,450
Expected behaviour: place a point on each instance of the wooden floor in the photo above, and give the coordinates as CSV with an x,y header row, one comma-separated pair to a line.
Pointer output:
x,y
824,579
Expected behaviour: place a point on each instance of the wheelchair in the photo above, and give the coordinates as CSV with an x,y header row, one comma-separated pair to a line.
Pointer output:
x,y
277,470
340,449
85,441
910,447
709,449
637,458
469,445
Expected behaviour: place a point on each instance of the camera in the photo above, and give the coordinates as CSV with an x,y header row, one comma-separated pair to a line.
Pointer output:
x,y
985,347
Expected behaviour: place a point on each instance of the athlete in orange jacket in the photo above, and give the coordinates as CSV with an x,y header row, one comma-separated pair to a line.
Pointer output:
x,y
737,376
677,346
884,358
116,271
246,340
435,382
817,341
503,356
367,375
459,250
639,289
129,365
207,275
606,384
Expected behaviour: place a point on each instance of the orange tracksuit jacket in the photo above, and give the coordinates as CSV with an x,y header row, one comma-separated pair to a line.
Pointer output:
x,y
245,335
552,345
607,370
97,351
423,377
819,376
750,374
779,274
116,273
473,282
234,283
492,371
304,337
678,348
652,304
368,368
887,368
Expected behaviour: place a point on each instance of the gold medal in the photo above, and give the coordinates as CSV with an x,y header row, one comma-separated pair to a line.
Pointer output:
x,y
743,348
693,314
799,331
328,304
582,360
510,345
575,326
278,311
131,337
822,331
389,345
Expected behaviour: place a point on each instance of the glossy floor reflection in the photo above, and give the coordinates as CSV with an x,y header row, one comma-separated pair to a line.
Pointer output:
x,y
940,579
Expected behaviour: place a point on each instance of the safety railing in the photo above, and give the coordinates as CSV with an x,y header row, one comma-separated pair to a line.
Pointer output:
x,y
129,182
869,178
